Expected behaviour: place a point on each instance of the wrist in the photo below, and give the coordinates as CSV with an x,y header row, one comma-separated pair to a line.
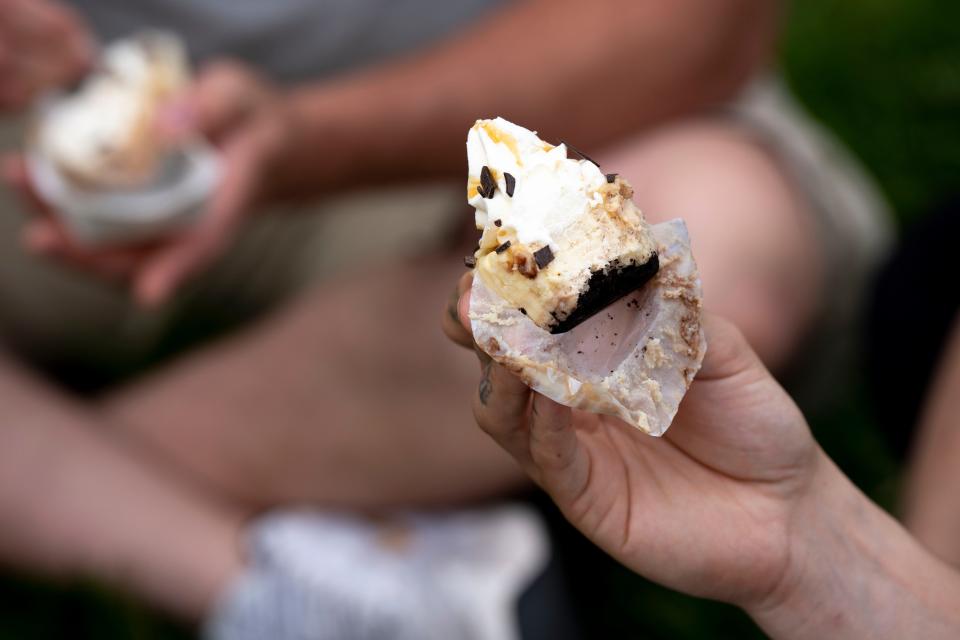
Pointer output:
x,y
854,572
812,540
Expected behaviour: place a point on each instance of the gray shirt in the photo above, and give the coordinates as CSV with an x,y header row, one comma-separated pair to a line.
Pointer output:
x,y
290,40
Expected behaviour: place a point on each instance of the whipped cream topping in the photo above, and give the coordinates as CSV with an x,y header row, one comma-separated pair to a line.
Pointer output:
x,y
114,105
551,191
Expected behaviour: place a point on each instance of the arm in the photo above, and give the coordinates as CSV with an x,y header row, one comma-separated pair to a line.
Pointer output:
x,y
856,573
77,503
614,68
932,512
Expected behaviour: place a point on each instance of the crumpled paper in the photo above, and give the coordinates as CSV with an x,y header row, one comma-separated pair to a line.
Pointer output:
x,y
634,360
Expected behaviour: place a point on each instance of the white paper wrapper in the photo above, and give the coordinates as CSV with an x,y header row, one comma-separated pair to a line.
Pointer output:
x,y
634,360
97,217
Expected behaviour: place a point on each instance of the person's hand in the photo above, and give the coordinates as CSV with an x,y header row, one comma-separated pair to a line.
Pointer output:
x,y
43,45
242,115
708,509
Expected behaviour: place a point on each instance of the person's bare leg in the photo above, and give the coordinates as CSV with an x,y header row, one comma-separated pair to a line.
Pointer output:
x,y
930,508
74,502
750,229
351,397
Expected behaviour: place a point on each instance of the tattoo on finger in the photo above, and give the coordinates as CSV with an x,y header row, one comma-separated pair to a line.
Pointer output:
x,y
486,385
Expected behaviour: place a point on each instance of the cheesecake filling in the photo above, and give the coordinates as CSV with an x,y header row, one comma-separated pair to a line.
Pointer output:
x,y
560,239
104,135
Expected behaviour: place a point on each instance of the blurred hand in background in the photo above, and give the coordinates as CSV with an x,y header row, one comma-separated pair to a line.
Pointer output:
x,y
43,45
228,104
385,124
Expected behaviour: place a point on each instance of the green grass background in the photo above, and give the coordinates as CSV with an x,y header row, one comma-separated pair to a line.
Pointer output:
x,y
884,75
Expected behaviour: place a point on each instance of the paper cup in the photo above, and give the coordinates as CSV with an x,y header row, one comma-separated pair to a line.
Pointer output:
x,y
98,217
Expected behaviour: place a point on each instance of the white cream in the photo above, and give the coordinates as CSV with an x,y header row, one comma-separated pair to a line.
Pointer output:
x,y
85,131
76,139
551,191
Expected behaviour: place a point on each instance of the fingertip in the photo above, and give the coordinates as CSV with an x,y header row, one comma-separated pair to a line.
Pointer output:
x,y
463,311
727,349
151,290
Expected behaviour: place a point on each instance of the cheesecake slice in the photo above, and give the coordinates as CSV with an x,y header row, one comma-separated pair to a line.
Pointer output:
x,y
560,239
103,136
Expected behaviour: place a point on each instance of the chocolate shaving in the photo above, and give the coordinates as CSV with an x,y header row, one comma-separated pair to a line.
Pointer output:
x,y
503,247
580,153
497,222
469,262
611,177
511,183
543,256
487,184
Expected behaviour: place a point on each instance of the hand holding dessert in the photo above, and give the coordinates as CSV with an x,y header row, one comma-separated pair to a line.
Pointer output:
x,y
242,115
43,44
706,509
736,502
226,104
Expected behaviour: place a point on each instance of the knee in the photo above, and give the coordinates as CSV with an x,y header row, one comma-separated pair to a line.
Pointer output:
x,y
708,173
750,227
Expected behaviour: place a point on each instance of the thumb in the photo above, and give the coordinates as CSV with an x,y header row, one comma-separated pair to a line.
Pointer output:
x,y
224,96
728,352
156,282
184,256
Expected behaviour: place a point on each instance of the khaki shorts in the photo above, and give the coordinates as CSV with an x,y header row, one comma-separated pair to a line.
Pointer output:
x,y
855,230
55,315
52,313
